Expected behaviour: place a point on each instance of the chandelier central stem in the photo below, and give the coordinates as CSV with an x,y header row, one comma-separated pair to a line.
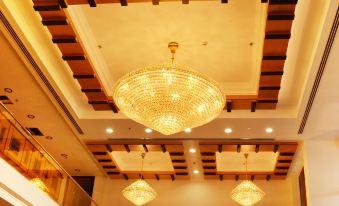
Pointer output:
x,y
246,157
173,46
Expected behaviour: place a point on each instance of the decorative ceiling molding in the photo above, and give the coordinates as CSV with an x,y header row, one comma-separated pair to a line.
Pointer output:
x,y
101,152
320,72
208,150
277,34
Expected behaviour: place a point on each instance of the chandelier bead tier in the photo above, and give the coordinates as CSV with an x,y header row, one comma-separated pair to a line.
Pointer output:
x,y
169,97
247,193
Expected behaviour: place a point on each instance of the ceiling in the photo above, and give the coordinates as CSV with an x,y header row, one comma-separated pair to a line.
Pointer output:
x,y
132,44
137,36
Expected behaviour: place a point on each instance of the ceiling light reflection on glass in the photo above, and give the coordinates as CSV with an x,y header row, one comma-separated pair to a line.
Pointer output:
x,y
188,130
148,130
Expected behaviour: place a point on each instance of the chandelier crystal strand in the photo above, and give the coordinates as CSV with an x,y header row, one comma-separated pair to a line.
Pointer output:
x,y
247,193
139,192
169,97
37,182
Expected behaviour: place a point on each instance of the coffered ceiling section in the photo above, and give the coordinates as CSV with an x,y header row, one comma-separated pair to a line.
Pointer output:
x,y
266,160
163,160
241,44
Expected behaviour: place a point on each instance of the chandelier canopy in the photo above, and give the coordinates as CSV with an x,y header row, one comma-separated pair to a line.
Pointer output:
x,y
139,192
247,193
169,97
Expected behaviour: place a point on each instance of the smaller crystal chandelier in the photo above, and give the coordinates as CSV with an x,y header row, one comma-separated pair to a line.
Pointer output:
x,y
37,182
247,193
139,192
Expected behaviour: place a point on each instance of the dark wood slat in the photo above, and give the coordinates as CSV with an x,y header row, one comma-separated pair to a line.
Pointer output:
x,y
236,177
219,148
180,167
185,1
63,40
277,36
224,1
113,173
221,177
108,147
253,105
274,58
91,90
157,177
207,161
272,73
73,57
163,148
252,177
207,154
92,3
172,177
287,154
62,3
104,160
238,148
125,176
268,101
46,7
264,1
178,161
268,177
97,102
229,106
278,17
83,76
99,153
127,148
209,167
284,161
257,148
210,173
123,2
272,2
155,2
176,154
276,147
145,147
109,167
181,173
270,88
54,22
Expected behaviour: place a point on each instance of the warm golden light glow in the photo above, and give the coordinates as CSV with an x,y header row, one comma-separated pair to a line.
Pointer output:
x,y
169,98
37,182
247,193
139,193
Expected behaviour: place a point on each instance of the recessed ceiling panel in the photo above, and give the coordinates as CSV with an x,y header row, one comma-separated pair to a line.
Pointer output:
x,y
153,162
235,162
222,41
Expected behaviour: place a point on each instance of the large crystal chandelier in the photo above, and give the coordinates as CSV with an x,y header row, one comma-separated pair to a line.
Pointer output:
x,y
139,192
247,193
169,97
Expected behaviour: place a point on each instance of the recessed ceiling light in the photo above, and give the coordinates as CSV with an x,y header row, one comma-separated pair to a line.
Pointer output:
x,y
269,130
192,150
148,130
228,130
188,130
64,155
8,90
31,116
195,171
109,130
49,137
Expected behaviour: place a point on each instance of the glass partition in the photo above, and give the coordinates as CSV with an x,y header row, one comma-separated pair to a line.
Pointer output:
x,y
19,148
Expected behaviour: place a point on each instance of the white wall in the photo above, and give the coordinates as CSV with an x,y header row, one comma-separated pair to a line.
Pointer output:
x,y
322,172
107,192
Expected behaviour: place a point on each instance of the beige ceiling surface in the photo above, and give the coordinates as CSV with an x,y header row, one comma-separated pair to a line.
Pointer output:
x,y
131,161
213,38
235,162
